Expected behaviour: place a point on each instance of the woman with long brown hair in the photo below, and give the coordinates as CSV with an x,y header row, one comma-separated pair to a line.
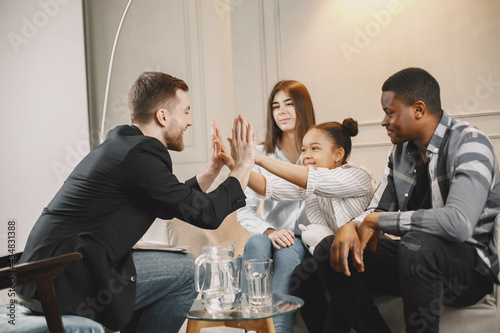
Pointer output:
x,y
290,115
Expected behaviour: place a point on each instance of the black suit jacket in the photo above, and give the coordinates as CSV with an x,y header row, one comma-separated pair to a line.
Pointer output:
x,y
104,207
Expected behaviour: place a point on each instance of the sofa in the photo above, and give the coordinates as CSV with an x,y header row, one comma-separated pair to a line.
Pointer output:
x,y
481,317
179,233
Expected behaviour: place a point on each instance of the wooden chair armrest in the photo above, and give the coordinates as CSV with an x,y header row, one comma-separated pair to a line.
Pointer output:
x,y
37,270
40,272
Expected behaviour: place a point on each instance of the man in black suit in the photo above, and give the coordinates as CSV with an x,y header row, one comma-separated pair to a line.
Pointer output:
x,y
113,196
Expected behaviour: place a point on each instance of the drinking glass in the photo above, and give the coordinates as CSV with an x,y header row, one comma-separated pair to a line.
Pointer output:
x,y
259,273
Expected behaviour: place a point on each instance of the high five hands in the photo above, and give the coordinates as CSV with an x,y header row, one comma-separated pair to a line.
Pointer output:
x,y
353,239
242,130
242,142
241,157
279,238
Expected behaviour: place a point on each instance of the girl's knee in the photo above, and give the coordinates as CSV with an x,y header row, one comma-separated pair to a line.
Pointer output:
x,y
257,246
295,252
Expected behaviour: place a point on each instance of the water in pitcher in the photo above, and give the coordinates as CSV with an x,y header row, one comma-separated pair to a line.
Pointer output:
x,y
221,300
218,277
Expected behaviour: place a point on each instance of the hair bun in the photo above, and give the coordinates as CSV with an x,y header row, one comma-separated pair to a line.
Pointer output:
x,y
350,126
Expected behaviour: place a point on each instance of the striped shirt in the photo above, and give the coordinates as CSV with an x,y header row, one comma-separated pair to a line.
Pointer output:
x,y
465,190
333,196
275,215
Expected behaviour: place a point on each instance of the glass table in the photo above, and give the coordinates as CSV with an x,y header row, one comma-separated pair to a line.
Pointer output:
x,y
244,316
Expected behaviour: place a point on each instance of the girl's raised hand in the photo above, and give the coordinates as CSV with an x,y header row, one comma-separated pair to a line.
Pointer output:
x,y
216,162
243,142
223,152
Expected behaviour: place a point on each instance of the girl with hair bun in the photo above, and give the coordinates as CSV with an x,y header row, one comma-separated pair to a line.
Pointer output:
x,y
290,114
335,190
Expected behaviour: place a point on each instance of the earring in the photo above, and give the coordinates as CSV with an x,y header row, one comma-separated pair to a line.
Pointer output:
x,y
336,164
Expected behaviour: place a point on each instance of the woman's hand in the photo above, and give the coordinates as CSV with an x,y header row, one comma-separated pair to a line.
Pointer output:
x,y
216,161
283,237
243,142
224,154
242,150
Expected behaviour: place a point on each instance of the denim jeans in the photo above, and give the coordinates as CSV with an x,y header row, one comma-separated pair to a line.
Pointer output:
x,y
427,271
163,280
285,260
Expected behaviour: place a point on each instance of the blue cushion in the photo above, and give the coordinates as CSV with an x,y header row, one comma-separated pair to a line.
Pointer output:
x,y
27,322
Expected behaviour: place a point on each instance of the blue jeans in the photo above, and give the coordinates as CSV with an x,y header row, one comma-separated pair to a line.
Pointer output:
x,y
285,260
163,280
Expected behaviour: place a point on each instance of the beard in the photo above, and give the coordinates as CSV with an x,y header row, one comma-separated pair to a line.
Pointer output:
x,y
175,137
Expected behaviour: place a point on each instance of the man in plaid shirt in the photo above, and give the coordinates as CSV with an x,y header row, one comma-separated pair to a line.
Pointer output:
x,y
440,193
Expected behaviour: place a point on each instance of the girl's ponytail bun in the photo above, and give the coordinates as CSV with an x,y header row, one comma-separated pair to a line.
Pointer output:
x,y
350,127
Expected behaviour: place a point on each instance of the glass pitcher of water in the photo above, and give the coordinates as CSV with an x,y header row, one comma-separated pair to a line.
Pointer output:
x,y
218,277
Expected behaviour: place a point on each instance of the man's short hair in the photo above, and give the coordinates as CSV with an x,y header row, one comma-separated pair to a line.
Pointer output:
x,y
415,84
152,91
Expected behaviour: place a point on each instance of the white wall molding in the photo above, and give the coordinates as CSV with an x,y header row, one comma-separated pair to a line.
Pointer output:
x,y
195,150
263,56
458,116
371,134
270,44
277,29
476,114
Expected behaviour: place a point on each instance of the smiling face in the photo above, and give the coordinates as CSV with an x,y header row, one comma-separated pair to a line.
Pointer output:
x,y
284,111
179,121
318,150
399,119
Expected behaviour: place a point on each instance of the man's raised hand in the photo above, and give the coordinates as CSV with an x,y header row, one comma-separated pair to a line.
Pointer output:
x,y
243,150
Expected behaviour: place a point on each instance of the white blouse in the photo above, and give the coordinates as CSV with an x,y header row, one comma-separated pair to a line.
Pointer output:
x,y
275,215
333,196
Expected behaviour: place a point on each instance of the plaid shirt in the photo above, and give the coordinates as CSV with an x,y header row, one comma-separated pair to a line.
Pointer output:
x,y
465,187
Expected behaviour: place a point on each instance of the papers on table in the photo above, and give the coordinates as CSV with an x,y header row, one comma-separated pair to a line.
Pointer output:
x,y
158,246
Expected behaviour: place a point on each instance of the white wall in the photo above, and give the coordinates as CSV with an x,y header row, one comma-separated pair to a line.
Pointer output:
x,y
230,53
43,101
343,51
190,39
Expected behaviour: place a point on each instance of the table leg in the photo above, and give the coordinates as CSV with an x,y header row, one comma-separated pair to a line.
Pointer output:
x,y
194,326
259,325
